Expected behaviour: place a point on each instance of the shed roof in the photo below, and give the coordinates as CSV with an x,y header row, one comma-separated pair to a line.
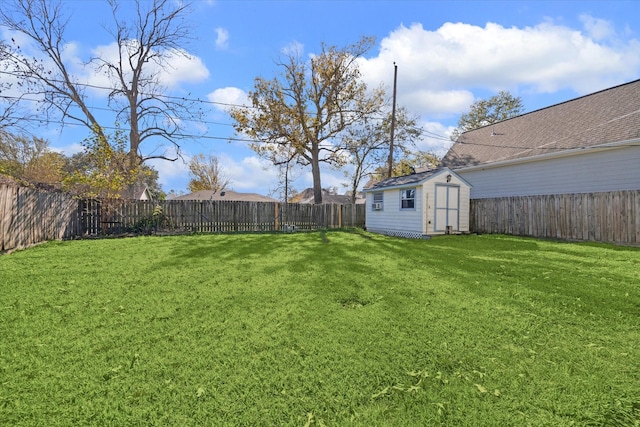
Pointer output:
x,y
608,116
406,180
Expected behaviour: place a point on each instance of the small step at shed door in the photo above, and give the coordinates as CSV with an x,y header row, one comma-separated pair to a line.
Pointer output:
x,y
447,208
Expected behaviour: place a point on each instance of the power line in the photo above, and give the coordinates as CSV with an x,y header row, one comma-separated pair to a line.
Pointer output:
x,y
111,89
431,134
181,98
177,135
104,109
437,136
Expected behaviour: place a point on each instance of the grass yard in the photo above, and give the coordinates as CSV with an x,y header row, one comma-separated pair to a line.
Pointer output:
x,y
320,329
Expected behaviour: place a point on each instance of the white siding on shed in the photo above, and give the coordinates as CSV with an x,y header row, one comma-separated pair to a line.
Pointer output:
x,y
594,171
393,219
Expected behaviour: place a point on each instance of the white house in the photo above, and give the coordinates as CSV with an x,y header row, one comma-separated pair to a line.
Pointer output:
x,y
586,145
419,205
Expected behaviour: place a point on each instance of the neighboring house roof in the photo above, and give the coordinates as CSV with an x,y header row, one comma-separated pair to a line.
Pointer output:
x,y
7,180
408,180
136,192
605,117
225,195
307,197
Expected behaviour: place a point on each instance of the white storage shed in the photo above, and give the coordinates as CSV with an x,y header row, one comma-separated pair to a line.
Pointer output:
x,y
419,205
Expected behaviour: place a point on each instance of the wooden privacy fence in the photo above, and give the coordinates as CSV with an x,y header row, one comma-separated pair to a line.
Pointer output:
x,y
108,217
612,217
29,216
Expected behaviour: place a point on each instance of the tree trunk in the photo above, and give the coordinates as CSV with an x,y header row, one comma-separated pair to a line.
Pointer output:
x,y
315,172
134,132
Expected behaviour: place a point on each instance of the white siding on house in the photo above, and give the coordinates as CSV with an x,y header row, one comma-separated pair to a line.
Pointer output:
x,y
593,171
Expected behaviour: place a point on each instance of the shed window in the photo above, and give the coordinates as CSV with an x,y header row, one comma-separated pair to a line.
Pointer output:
x,y
378,199
408,198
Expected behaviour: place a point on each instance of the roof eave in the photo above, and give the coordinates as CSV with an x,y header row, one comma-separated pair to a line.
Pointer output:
x,y
546,156
410,184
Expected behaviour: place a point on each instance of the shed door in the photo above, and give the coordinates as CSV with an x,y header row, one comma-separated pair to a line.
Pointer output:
x,y
447,208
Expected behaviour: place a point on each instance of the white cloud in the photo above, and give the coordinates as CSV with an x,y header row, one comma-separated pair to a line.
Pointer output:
x,y
68,150
183,68
439,103
179,66
435,138
438,69
222,38
250,174
330,179
171,175
227,97
253,174
293,49
597,29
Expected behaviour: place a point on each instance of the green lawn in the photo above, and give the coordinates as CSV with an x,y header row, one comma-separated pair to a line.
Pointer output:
x,y
313,329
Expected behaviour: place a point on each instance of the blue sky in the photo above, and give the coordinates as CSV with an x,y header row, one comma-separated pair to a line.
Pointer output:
x,y
448,53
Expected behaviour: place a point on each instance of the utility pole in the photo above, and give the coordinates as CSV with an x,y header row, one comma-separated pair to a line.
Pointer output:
x,y
393,119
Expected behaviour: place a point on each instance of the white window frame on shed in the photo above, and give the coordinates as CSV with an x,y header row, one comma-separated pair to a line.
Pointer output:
x,y
378,197
408,197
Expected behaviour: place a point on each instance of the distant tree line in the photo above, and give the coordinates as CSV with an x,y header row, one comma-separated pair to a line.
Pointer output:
x,y
101,169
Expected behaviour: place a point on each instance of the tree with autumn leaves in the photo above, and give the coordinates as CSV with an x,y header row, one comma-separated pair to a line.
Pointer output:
x,y
301,114
206,174
100,170
483,112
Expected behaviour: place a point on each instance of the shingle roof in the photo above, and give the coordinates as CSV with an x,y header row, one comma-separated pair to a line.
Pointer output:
x,y
611,115
398,181
306,196
225,195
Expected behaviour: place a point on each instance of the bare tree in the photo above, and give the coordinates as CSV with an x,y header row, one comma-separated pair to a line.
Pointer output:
x,y
369,143
147,41
308,106
13,114
285,163
145,51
